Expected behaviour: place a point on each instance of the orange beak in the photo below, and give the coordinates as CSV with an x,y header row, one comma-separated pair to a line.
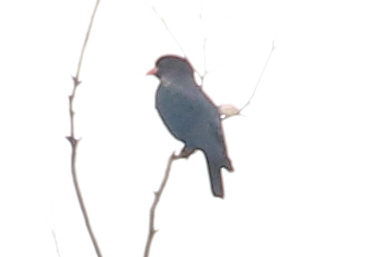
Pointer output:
x,y
152,71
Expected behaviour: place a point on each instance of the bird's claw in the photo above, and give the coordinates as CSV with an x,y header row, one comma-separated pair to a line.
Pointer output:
x,y
186,152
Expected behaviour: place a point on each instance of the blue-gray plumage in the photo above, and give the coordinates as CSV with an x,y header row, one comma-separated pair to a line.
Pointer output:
x,y
191,116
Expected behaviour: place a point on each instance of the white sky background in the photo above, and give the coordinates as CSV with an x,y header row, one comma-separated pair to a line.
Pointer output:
x,y
309,152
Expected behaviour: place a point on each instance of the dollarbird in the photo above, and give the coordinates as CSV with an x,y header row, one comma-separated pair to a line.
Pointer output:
x,y
191,116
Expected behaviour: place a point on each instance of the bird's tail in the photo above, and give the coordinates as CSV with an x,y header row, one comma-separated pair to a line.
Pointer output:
x,y
214,166
216,180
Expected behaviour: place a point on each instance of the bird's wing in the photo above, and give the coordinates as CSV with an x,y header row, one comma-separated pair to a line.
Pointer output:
x,y
193,118
187,112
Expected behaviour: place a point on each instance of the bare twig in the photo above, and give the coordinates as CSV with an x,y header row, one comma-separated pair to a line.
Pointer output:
x,y
86,38
229,110
205,39
203,75
53,232
166,26
74,141
168,29
157,197
56,241
261,75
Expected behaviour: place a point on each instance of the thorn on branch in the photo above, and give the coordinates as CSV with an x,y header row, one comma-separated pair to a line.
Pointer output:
x,y
72,140
76,80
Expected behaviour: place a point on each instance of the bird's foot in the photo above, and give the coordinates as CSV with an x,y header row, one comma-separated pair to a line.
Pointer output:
x,y
186,152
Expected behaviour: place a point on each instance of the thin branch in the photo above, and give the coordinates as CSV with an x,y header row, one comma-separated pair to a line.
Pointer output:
x,y
205,39
229,110
53,233
52,228
168,29
261,75
201,76
157,197
56,241
87,37
74,141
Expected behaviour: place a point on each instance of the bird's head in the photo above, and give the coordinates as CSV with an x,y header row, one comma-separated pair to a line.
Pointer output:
x,y
171,67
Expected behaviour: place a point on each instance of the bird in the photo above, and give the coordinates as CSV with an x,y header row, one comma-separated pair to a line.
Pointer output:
x,y
191,116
